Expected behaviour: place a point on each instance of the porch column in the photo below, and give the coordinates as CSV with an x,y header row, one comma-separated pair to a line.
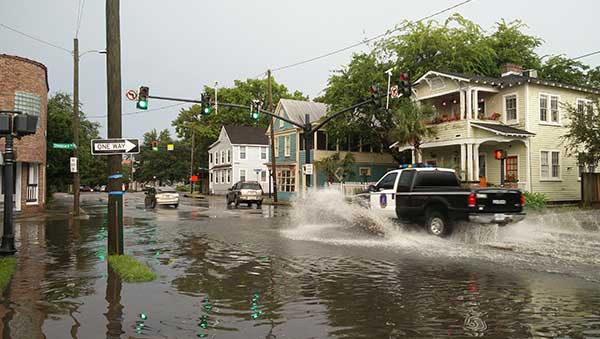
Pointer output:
x,y
469,104
476,161
470,162
475,104
462,104
463,161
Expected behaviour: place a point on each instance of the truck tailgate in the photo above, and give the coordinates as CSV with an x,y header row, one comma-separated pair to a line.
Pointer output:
x,y
493,200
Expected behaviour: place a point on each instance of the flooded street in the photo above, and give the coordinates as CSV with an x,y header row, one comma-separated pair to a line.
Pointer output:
x,y
320,269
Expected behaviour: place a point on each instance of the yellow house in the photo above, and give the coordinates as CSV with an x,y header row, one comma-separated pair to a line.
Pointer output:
x,y
517,112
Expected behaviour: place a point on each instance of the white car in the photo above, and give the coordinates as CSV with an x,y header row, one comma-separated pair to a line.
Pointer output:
x,y
167,196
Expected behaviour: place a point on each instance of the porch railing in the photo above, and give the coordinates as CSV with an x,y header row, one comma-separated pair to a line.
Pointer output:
x,y
351,188
32,193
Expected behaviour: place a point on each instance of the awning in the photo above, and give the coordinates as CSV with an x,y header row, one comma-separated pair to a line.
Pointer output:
x,y
503,130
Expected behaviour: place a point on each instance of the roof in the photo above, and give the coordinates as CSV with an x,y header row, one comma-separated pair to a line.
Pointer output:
x,y
509,81
33,62
297,109
502,129
247,135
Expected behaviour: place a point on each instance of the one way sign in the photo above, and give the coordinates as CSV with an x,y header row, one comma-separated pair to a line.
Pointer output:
x,y
115,146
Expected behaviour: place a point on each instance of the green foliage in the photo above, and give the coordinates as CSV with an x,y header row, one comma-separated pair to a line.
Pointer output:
x,y
583,136
511,45
130,269
562,69
182,188
166,166
7,268
535,201
409,123
92,170
207,127
334,163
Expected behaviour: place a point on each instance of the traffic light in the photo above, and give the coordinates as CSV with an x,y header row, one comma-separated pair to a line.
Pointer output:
x,y
205,99
374,89
255,109
499,154
405,85
142,102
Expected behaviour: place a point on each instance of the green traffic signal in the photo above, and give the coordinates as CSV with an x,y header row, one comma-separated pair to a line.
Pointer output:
x,y
142,104
255,115
206,111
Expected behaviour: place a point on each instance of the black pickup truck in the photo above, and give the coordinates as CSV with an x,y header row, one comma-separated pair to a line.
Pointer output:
x,y
436,198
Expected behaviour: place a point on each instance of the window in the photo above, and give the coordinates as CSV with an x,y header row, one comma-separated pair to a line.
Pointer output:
x,y
242,175
511,164
222,157
406,179
584,104
211,177
276,146
549,165
228,156
210,155
286,181
229,176
553,116
242,152
263,153
263,176
436,178
287,146
216,158
280,123
29,104
387,182
216,177
482,168
222,176
510,107
365,171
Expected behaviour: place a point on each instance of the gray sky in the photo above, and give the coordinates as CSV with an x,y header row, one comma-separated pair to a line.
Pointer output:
x,y
176,47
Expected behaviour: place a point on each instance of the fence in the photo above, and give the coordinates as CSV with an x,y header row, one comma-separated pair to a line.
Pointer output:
x,y
590,188
351,188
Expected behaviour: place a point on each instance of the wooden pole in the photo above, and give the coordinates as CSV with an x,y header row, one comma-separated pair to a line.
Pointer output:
x,y
272,127
76,125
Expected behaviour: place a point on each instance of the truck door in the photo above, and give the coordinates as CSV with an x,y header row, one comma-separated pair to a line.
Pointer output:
x,y
403,197
384,198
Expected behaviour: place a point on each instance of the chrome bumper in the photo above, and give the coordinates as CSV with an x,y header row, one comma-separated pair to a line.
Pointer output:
x,y
168,201
251,198
496,218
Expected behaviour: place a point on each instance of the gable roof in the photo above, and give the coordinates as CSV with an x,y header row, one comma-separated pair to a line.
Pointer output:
x,y
508,81
502,129
247,135
296,109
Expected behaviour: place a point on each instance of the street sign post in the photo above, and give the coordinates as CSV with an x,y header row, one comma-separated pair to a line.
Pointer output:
x,y
308,169
64,146
115,146
73,165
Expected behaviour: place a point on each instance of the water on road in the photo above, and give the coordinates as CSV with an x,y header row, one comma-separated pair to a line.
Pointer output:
x,y
322,269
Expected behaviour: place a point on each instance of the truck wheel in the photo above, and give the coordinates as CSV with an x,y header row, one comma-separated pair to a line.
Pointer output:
x,y
437,223
237,202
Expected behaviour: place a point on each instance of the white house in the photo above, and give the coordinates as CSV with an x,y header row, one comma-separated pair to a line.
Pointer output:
x,y
240,154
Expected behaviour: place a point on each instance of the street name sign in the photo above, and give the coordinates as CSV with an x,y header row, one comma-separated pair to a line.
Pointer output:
x,y
64,146
115,146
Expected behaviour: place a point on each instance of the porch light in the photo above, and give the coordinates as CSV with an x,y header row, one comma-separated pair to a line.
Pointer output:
x,y
444,103
481,100
454,101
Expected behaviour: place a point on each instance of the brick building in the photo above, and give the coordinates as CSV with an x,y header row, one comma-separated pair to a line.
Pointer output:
x,y
24,87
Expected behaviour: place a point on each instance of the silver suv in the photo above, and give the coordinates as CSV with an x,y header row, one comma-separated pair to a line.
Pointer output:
x,y
249,192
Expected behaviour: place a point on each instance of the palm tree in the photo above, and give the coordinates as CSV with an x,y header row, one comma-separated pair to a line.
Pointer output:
x,y
332,164
410,125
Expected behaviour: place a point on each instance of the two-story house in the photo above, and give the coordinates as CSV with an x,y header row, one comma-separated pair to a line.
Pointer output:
x,y
517,112
370,160
239,154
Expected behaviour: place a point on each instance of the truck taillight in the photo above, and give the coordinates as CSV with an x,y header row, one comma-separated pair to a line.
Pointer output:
x,y
522,199
471,200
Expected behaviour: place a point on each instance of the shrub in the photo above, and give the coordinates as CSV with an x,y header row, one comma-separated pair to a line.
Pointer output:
x,y
535,201
182,188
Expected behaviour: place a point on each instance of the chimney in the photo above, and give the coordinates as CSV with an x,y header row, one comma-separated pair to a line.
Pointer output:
x,y
508,69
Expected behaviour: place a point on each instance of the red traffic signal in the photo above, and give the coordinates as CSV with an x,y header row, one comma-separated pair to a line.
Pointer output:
x,y
499,154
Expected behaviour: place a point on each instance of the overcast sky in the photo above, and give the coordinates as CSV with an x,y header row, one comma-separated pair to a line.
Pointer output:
x,y
175,47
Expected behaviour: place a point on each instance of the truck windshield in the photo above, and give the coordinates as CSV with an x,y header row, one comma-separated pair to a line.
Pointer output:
x,y
436,178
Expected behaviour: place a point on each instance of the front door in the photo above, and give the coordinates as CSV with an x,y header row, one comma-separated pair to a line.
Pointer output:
x,y
384,198
511,165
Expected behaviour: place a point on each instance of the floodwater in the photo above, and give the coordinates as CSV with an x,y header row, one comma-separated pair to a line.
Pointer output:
x,y
322,269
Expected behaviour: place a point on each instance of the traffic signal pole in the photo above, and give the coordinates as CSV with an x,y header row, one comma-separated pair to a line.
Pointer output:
x,y
76,125
272,128
115,177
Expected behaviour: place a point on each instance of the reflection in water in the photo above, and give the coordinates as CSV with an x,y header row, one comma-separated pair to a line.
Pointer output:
x,y
114,313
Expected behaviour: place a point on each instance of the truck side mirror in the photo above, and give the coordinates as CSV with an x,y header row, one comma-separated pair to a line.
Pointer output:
x,y
372,188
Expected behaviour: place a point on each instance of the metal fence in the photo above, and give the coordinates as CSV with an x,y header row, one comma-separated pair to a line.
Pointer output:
x,y
590,188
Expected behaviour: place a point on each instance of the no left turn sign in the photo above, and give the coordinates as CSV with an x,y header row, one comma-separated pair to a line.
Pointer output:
x,y
131,95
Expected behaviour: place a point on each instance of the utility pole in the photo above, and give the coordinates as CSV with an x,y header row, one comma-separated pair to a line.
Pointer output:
x,y
115,177
192,161
272,128
308,135
76,125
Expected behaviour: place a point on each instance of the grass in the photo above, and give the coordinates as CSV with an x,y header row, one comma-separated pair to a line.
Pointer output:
x,y
130,269
7,267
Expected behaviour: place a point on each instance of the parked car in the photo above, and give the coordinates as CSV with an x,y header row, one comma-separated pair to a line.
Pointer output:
x,y
167,196
435,197
85,188
249,192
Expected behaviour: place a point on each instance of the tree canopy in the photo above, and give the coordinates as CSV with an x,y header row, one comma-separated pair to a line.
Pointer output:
x,y
162,164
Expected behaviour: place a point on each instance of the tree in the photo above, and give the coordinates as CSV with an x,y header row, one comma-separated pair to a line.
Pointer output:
x,y
161,164
92,170
562,69
333,164
206,128
583,136
410,126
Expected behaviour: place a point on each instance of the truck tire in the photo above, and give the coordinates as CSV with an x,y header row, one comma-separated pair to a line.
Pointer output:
x,y
437,222
236,202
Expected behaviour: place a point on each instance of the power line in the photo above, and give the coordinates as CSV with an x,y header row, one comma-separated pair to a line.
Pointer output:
x,y
138,112
36,39
586,55
79,16
369,39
